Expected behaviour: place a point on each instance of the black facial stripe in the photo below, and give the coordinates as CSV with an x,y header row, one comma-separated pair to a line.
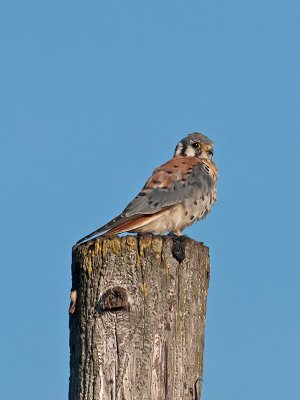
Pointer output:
x,y
183,149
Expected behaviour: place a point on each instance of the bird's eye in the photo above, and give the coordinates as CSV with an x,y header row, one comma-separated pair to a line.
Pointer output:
x,y
196,145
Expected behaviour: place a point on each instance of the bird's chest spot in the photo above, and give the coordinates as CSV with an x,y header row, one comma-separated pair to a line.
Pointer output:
x,y
195,209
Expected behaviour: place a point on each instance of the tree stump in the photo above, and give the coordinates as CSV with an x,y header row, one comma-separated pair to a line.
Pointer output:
x,y
137,318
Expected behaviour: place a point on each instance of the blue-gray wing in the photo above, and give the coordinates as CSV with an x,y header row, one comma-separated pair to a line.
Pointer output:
x,y
180,179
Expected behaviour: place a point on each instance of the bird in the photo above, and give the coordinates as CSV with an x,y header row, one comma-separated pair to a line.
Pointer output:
x,y
177,194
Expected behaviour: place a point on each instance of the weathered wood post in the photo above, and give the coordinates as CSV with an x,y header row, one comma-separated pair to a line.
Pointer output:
x,y
137,328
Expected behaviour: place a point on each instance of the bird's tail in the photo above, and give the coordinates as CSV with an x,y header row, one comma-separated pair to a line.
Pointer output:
x,y
96,232
122,224
120,219
132,225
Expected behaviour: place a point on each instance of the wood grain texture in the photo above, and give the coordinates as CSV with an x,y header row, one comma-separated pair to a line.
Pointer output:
x,y
137,332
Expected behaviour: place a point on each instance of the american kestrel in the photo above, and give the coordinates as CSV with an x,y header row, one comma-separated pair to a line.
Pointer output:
x,y
178,193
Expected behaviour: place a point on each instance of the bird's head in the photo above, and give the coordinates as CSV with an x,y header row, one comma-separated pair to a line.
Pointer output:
x,y
195,145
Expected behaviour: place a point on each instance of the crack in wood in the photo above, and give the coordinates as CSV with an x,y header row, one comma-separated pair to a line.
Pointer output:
x,y
178,248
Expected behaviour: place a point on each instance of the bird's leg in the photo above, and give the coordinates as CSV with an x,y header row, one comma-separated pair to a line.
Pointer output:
x,y
179,233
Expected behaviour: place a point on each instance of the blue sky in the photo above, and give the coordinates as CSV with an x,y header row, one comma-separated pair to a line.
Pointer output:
x,y
94,96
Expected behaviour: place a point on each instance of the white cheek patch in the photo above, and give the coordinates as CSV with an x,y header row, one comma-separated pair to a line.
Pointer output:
x,y
190,151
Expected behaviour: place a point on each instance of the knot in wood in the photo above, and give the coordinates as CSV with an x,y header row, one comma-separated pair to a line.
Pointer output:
x,y
113,299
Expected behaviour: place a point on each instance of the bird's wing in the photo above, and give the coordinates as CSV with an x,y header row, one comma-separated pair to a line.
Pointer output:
x,y
170,184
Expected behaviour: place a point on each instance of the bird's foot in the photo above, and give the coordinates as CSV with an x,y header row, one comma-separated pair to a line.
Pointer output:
x,y
176,234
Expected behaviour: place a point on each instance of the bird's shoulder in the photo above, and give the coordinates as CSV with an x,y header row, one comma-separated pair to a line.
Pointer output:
x,y
176,169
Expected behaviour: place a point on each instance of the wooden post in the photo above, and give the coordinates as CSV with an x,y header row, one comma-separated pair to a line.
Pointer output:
x,y
137,318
